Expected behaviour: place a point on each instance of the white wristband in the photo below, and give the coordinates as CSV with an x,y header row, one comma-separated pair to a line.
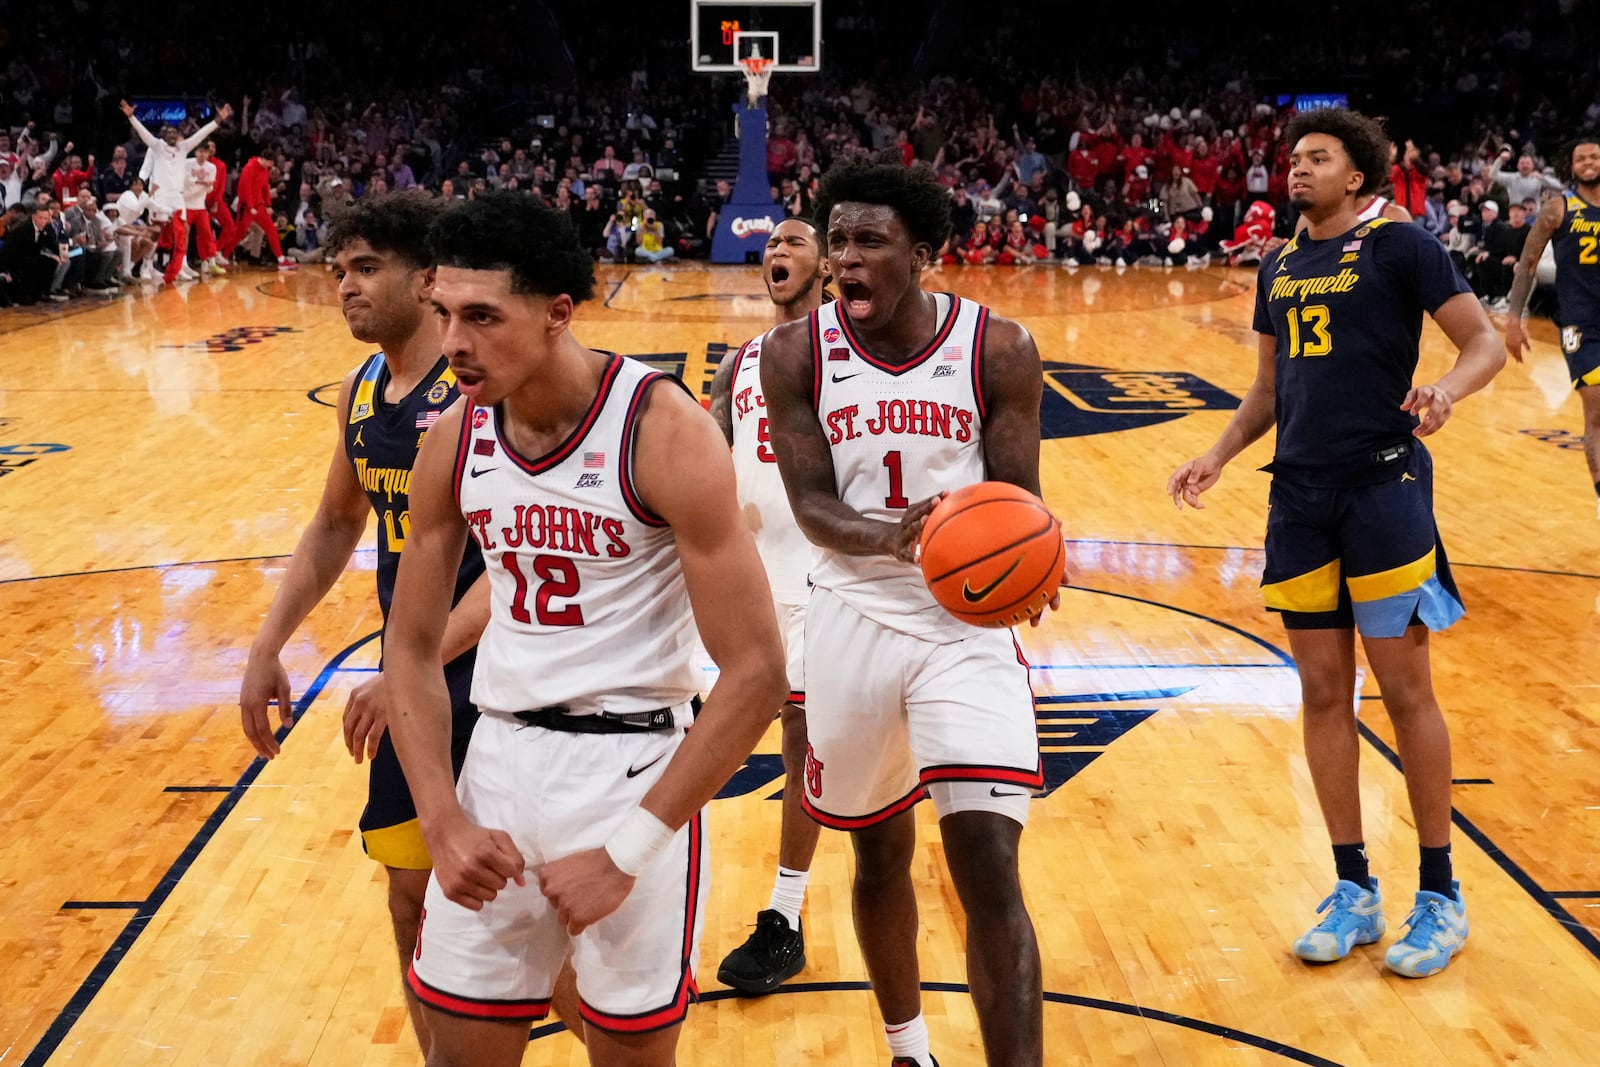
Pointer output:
x,y
637,841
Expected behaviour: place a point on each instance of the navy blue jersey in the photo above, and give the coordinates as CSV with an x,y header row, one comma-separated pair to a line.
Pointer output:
x,y
381,441
1347,316
1577,248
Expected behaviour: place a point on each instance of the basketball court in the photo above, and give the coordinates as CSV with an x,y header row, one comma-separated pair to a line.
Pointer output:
x,y
168,900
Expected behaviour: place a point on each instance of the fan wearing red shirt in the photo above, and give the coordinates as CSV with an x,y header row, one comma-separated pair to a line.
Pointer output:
x,y
1134,156
255,207
70,176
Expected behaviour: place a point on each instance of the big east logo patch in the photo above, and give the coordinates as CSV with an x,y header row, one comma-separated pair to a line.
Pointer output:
x,y
1081,400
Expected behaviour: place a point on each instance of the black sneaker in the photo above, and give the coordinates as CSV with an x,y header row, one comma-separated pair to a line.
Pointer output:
x,y
907,1061
772,954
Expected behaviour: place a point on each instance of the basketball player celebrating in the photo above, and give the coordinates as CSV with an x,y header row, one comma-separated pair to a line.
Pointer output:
x,y
1572,220
603,499
1351,542
381,263
169,172
879,403
794,272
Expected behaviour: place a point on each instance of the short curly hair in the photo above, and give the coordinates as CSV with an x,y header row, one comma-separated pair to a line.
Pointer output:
x,y
396,223
1363,137
913,192
515,232
1564,161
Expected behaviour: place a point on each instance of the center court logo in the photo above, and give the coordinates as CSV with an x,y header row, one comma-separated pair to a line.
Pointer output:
x,y
1080,400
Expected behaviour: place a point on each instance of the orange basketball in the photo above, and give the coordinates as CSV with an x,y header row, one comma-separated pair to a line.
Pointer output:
x,y
992,554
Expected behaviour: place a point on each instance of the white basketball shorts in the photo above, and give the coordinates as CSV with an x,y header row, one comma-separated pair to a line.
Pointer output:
x,y
792,624
888,714
558,793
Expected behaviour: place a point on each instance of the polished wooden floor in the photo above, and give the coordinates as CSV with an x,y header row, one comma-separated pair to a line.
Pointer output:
x,y
166,900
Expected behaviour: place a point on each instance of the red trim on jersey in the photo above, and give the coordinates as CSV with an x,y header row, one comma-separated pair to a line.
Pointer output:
x,y
816,359
861,822
797,697
461,452
673,1012
979,772
505,1011
980,337
625,460
608,378
939,339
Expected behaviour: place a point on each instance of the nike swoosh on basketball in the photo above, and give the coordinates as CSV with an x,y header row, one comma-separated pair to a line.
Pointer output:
x,y
634,772
477,471
973,596
845,377
994,791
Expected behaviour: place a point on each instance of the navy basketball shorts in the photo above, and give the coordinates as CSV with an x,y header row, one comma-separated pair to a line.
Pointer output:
x,y
1582,348
1367,557
390,832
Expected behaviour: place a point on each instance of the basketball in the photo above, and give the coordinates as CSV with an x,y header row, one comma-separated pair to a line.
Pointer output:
x,y
992,554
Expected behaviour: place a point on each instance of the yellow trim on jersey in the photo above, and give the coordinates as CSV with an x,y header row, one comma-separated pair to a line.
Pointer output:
x,y
1592,378
448,376
399,846
1312,591
1394,581
361,401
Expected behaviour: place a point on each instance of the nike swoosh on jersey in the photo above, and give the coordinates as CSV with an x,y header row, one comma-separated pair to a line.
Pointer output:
x,y
973,596
994,791
845,377
634,772
475,472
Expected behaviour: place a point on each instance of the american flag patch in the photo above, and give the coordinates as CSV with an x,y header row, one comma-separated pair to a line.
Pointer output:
x,y
1353,246
953,355
427,419
483,446
593,460
835,354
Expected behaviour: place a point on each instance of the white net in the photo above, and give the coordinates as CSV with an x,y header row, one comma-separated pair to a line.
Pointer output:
x,y
757,72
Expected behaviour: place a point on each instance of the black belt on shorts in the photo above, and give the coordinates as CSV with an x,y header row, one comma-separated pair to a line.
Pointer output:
x,y
559,717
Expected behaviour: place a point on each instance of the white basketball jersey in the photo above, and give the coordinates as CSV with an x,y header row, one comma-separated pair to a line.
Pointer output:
x,y
787,554
899,434
1373,210
587,602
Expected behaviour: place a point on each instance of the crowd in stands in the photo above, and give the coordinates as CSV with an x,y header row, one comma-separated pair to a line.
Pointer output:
x,y
1140,156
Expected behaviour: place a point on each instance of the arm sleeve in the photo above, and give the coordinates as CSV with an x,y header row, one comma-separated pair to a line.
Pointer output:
x,y
144,135
197,137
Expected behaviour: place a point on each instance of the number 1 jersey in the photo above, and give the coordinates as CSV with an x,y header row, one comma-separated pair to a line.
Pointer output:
x,y
588,606
898,435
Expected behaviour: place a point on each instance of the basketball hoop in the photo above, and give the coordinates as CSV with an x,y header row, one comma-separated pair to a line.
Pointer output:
x,y
757,72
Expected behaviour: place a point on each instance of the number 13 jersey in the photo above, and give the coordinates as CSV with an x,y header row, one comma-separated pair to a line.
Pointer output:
x,y
588,606
898,435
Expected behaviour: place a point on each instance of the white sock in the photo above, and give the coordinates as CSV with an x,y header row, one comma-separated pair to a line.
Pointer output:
x,y
910,1039
788,893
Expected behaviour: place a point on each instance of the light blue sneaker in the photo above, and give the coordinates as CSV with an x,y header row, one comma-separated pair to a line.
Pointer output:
x,y
1354,916
1437,930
